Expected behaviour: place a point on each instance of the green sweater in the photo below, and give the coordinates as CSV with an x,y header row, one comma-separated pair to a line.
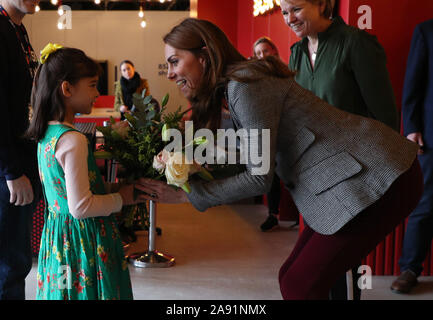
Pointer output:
x,y
349,72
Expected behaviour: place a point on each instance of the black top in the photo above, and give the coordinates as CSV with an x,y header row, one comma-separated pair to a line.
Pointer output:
x,y
17,156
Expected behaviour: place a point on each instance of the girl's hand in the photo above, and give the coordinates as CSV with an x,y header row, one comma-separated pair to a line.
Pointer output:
x,y
160,191
127,193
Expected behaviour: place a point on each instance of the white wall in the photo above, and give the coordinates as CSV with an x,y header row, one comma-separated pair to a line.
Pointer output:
x,y
115,36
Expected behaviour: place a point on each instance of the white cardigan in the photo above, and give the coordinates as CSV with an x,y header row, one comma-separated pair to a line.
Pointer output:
x,y
71,153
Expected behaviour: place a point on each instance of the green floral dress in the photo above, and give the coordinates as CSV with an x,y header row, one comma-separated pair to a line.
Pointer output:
x,y
79,259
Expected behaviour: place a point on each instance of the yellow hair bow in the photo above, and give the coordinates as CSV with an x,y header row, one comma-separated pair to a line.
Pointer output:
x,y
49,49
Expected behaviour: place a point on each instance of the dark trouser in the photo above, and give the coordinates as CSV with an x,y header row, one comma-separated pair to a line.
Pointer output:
x,y
339,289
274,196
15,245
318,260
417,240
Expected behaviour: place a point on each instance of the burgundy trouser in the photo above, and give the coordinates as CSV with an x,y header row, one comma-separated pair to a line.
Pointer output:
x,y
318,260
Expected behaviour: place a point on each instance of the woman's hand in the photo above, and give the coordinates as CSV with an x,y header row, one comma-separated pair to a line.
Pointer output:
x,y
127,193
417,138
160,191
123,108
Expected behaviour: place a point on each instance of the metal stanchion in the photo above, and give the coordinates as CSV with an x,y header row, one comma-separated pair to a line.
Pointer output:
x,y
152,258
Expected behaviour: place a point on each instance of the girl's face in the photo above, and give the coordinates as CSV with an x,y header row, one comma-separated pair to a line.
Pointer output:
x,y
264,49
302,16
127,71
185,69
82,95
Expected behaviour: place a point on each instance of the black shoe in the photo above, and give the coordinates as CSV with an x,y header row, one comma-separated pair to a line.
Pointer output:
x,y
270,223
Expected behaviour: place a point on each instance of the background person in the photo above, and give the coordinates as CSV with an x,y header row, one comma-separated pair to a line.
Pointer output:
x,y
19,180
349,193
418,127
130,82
262,48
342,65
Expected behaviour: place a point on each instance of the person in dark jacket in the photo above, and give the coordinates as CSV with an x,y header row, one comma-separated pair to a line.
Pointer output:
x,y
130,82
417,108
19,179
262,48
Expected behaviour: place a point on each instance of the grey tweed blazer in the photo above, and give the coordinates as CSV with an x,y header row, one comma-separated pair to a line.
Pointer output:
x,y
335,164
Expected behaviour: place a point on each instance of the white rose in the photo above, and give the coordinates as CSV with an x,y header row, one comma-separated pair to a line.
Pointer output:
x,y
177,170
160,160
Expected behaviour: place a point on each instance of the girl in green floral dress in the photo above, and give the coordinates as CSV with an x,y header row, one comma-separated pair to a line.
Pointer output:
x,y
81,256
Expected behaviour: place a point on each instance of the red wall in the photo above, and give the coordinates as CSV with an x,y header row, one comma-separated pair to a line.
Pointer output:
x,y
393,24
224,13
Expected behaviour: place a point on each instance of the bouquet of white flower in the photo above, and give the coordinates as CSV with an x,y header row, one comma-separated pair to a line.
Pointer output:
x,y
138,145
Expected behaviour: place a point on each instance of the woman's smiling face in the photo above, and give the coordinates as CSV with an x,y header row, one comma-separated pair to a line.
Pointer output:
x,y
186,69
302,16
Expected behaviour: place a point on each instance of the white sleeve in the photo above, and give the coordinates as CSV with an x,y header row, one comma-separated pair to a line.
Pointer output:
x,y
71,153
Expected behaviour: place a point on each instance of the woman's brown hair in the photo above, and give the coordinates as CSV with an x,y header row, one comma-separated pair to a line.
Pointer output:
x,y
65,64
222,63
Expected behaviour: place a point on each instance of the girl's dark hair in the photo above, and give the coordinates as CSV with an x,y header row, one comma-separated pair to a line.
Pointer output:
x,y
222,63
126,61
65,64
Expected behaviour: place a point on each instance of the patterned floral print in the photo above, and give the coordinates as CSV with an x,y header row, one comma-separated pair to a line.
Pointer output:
x,y
78,259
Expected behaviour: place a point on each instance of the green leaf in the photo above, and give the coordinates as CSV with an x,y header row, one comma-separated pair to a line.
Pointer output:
x,y
150,115
147,100
165,100
200,140
186,187
116,136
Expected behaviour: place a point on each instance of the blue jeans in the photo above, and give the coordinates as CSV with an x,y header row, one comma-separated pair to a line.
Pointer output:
x,y
417,240
15,245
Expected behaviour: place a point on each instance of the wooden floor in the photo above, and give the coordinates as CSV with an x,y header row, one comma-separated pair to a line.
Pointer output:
x,y
222,255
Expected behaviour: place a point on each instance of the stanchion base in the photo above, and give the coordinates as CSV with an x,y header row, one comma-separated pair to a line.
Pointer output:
x,y
152,259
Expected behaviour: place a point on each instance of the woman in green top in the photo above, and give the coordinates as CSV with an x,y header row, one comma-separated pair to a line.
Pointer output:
x,y
342,65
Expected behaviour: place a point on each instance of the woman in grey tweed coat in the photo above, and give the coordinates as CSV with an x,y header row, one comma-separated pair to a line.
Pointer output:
x,y
352,178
